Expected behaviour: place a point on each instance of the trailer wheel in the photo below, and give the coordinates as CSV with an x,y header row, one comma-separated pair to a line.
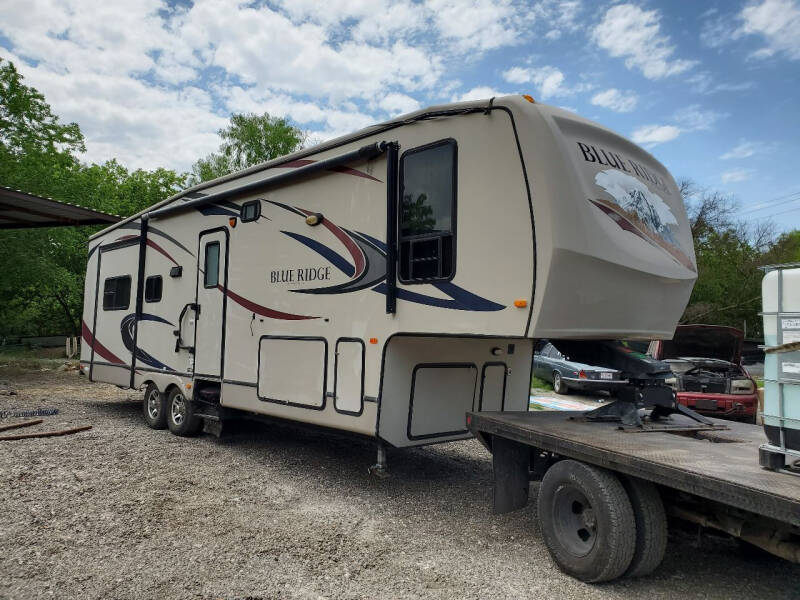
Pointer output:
x,y
651,526
558,384
587,521
181,419
154,407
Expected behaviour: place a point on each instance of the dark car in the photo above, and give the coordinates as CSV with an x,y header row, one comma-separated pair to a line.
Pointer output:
x,y
565,375
709,377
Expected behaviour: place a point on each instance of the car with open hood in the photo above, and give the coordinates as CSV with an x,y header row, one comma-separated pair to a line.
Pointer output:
x,y
706,361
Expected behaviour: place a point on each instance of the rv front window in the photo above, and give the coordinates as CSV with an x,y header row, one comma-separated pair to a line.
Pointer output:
x,y
427,212
211,272
117,293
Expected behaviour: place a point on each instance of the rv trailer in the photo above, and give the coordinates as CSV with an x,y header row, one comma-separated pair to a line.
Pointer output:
x,y
387,282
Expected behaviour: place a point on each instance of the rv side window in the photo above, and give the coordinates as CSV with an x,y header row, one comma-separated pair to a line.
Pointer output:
x,y
427,212
211,272
117,293
153,287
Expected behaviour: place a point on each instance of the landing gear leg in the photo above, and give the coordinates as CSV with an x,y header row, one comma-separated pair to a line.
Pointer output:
x,y
379,469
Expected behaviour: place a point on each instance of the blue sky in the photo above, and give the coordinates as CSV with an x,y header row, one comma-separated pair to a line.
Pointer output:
x,y
711,88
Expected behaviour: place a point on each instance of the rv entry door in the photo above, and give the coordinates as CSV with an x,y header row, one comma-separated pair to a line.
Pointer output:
x,y
212,281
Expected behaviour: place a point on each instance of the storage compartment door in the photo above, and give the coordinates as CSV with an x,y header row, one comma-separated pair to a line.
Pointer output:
x,y
348,387
493,387
293,371
441,395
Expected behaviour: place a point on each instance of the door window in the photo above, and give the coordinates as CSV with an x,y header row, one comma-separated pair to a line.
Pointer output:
x,y
211,271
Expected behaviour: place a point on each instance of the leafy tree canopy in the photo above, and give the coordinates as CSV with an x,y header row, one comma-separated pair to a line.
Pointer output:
x,y
250,139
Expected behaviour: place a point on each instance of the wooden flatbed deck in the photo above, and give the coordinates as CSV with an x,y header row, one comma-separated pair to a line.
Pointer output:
x,y
718,465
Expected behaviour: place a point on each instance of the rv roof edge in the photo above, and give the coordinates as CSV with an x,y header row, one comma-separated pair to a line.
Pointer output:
x,y
364,153
432,112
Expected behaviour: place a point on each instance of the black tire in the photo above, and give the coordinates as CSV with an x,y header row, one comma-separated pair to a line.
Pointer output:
x,y
651,526
558,384
154,407
181,418
587,521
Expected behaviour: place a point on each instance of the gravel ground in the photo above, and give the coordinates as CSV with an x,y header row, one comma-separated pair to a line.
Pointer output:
x,y
122,511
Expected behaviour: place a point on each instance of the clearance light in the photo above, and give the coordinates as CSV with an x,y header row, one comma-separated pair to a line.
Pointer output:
x,y
582,375
188,386
520,303
314,219
373,340
232,221
529,98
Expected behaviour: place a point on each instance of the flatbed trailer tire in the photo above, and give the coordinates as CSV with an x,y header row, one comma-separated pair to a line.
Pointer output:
x,y
587,521
651,526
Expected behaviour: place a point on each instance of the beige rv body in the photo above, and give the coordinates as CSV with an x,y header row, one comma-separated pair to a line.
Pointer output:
x,y
560,229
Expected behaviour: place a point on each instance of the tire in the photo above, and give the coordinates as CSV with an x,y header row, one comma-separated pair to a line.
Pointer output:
x,y
651,526
558,384
181,419
587,521
154,407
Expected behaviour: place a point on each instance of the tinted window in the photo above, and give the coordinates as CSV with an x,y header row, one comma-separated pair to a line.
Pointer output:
x,y
152,288
117,293
427,213
251,211
211,272
428,190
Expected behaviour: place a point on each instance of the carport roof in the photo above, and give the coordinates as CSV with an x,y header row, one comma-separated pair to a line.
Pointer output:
x,y
19,210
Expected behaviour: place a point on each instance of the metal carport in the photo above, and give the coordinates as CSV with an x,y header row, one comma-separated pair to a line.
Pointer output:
x,y
19,210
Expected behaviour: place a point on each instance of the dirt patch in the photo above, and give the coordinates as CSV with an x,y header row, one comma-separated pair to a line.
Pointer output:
x,y
283,512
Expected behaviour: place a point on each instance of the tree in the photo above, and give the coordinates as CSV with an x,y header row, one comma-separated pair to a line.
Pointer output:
x,y
41,291
250,139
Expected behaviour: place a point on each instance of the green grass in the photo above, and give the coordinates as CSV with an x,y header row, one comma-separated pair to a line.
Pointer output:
x,y
540,384
17,360
759,381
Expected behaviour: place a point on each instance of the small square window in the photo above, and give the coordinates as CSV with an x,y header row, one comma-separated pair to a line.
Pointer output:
x,y
153,286
251,211
117,293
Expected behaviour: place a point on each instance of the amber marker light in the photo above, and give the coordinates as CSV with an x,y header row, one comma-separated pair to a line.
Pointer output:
x,y
232,221
529,98
188,386
373,340
520,303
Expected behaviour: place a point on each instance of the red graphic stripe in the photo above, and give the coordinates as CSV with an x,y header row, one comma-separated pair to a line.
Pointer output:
x,y
352,247
98,347
262,310
302,162
150,243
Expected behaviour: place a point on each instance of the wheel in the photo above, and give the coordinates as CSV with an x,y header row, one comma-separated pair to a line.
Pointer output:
x,y
154,407
587,521
558,384
651,526
181,419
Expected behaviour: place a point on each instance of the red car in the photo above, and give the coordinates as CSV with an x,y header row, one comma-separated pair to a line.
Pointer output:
x,y
709,377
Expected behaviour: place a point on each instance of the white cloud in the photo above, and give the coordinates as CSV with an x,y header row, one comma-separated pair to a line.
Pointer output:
x,y
549,80
744,149
627,31
778,22
651,135
479,93
613,99
737,175
396,104
479,25
695,118
703,83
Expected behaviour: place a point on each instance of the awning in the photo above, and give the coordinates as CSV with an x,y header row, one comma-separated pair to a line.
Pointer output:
x,y
19,210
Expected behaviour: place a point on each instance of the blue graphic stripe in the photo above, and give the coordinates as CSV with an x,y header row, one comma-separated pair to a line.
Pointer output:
x,y
336,259
461,299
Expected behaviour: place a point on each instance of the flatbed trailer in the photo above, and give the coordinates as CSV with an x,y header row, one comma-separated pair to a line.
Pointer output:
x,y
606,491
